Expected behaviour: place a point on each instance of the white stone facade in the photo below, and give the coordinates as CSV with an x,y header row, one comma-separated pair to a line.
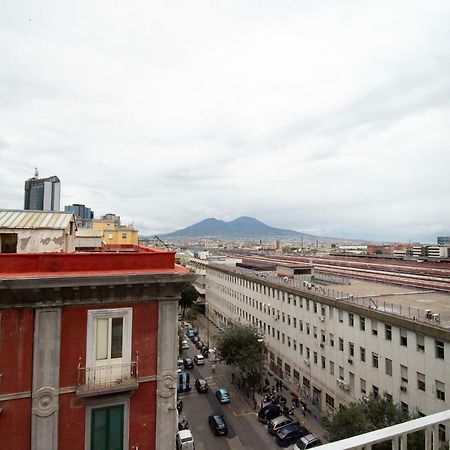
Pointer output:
x,y
335,352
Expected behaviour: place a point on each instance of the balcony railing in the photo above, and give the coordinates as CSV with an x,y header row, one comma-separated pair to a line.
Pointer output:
x,y
107,379
398,434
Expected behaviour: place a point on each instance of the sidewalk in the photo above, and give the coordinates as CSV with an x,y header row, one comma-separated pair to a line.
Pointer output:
x,y
308,421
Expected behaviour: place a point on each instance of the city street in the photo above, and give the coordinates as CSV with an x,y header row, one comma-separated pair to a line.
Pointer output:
x,y
245,432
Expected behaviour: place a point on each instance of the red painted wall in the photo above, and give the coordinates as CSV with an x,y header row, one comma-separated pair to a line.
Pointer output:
x,y
15,424
73,350
16,350
85,262
143,417
71,422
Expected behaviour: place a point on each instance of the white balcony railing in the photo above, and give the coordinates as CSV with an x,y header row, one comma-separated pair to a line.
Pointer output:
x,y
116,377
398,434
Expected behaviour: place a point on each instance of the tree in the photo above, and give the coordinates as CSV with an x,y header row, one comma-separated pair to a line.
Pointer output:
x,y
188,296
242,346
369,414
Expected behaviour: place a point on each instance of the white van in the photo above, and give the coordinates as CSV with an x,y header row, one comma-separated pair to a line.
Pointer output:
x,y
184,344
185,441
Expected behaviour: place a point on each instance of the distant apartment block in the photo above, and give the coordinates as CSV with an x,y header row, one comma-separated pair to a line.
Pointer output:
x,y
42,194
430,251
113,232
443,240
83,214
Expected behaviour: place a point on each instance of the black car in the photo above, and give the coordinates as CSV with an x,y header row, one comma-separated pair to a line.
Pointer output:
x,y
269,412
201,385
290,434
183,424
217,424
188,363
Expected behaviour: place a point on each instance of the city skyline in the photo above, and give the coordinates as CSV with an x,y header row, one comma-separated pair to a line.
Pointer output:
x,y
327,119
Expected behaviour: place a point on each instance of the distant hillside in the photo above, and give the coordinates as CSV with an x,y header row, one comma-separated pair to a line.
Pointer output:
x,y
242,227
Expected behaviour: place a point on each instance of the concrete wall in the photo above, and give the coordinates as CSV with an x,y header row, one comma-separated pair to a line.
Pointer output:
x,y
42,240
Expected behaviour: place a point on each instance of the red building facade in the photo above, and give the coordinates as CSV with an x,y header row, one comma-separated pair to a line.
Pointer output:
x,y
88,350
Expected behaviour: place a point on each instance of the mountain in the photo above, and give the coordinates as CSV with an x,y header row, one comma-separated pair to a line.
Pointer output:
x,y
242,227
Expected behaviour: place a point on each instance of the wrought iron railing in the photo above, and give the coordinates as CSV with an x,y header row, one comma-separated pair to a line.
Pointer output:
x,y
114,377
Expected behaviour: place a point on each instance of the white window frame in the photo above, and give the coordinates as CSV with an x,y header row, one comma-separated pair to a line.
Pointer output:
x,y
93,315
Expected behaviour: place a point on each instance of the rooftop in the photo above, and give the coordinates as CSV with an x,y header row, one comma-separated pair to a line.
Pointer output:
x,y
21,219
129,259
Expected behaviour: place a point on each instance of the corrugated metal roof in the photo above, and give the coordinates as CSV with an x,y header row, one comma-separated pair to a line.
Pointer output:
x,y
35,219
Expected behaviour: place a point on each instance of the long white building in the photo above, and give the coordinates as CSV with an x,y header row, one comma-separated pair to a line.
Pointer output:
x,y
332,350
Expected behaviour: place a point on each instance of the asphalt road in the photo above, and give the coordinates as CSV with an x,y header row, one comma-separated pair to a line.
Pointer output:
x,y
245,432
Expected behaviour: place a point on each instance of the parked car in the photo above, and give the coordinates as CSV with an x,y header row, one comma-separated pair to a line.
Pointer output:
x,y
269,412
199,360
199,344
184,440
290,434
279,422
183,384
183,424
217,424
223,396
308,441
184,344
201,385
180,365
190,333
188,363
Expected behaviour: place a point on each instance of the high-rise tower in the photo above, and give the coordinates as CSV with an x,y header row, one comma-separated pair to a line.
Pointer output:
x,y
42,194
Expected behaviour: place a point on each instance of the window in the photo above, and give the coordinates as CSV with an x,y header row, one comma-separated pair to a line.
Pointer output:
x,y
323,362
295,322
388,332
362,383
295,345
315,357
322,336
329,400
351,349
331,367
375,391
296,375
287,369
375,360
374,327
362,323
388,363
283,317
420,381
307,328
124,235
440,390
107,427
306,382
362,352
308,353
403,337
301,349
439,349
351,319
8,243
404,374
109,337
341,344
341,316
278,334
315,332
420,342
315,307
331,340
405,407
341,372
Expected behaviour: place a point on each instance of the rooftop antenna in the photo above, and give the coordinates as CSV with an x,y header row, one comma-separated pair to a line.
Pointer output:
x,y
160,240
36,172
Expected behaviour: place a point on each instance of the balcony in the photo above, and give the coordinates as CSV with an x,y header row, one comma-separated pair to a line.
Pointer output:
x,y
107,379
398,434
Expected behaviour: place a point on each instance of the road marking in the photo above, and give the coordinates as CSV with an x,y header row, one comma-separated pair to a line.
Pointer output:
x,y
235,414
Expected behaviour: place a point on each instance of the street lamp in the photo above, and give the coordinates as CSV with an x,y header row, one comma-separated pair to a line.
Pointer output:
x,y
261,342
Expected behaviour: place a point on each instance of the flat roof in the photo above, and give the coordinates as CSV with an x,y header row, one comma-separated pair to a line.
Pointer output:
x,y
115,260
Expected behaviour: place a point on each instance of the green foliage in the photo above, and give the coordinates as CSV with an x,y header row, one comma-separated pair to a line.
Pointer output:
x,y
371,414
242,346
188,296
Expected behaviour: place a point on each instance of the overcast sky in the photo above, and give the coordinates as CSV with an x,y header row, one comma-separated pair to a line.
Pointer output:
x,y
329,117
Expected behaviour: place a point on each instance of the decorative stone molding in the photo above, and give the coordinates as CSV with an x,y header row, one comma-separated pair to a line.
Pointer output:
x,y
45,401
